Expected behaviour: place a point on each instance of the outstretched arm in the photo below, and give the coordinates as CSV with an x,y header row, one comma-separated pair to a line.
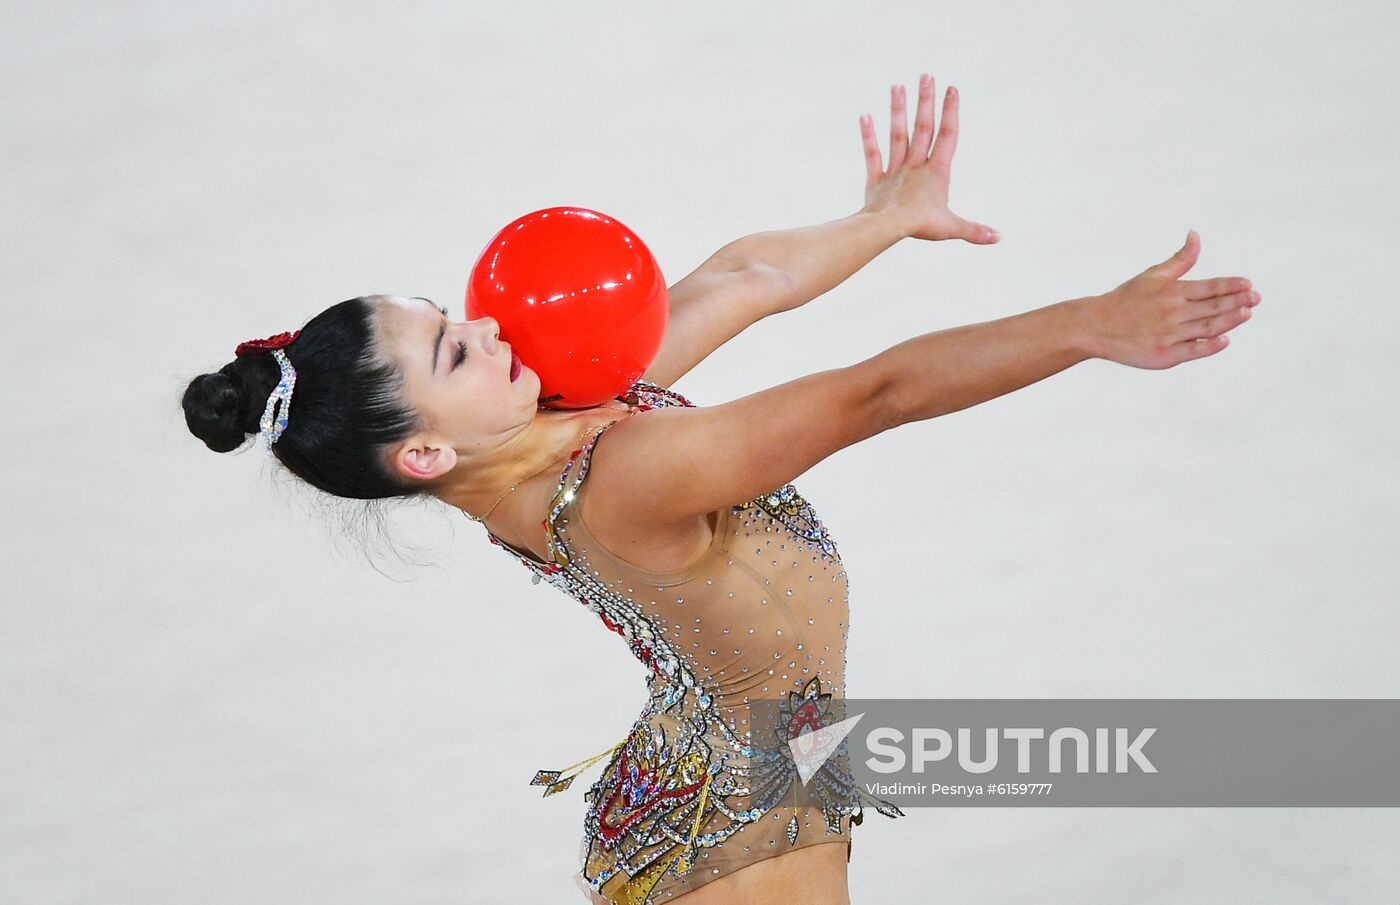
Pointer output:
x,y
701,459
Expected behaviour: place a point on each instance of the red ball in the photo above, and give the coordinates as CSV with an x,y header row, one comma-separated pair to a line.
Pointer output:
x,y
579,298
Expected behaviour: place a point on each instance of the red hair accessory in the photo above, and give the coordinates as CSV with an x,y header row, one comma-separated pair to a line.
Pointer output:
x,y
280,341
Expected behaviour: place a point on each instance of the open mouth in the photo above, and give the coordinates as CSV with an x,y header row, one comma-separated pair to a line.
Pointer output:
x,y
515,366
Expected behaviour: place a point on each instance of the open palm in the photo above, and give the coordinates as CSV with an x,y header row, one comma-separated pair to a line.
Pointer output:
x,y
914,188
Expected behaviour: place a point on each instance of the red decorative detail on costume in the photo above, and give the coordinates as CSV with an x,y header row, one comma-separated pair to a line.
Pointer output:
x,y
639,648
279,341
808,715
646,781
643,653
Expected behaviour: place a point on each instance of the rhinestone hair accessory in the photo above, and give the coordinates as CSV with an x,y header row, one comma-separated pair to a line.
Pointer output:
x,y
272,427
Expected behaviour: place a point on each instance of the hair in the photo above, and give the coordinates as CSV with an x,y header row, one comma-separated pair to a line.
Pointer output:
x,y
346,410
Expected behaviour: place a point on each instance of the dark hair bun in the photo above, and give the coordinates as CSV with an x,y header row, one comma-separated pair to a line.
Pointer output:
x,y
349,407
223,408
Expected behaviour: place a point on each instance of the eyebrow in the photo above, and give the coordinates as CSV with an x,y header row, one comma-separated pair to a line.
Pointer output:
x,y
442,329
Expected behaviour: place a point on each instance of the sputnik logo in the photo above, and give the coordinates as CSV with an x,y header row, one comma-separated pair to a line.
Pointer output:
x,y
813,748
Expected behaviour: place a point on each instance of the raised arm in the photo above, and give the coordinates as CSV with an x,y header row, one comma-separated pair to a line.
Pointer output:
x,y
665,467
759,275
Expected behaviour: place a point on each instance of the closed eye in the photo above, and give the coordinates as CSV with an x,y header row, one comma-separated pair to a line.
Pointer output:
x,y
461,344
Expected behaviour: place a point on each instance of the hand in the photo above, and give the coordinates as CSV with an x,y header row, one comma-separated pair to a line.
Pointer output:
x,y
914,190
1156,320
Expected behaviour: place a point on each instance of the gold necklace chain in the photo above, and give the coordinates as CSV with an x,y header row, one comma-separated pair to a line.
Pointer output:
x,y
582,440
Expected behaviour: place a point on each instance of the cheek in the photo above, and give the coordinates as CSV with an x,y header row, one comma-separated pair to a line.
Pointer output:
x,y
481,405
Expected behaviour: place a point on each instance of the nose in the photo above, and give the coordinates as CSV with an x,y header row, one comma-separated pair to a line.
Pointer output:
x,y
488,338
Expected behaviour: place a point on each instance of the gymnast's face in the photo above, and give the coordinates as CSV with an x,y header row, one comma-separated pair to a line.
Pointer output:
x,y
456,376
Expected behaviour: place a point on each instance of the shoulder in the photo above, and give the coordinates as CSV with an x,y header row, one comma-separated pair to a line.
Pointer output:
x,y
633,443
623,519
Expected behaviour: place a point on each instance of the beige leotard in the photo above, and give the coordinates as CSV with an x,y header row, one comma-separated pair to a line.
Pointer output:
x,y
761,615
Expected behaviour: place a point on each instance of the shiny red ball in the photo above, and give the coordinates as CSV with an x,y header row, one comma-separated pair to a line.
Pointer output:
x,y
580,299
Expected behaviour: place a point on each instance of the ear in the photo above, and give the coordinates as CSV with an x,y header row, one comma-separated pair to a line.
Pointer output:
x,y
424,458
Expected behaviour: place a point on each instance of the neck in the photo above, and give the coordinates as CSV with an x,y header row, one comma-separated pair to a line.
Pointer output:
x,y
530,459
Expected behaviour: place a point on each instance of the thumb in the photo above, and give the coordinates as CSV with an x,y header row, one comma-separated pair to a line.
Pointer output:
x,y
977,233
1184,259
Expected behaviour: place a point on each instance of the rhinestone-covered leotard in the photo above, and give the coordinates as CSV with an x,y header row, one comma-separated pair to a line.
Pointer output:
x,y
762,615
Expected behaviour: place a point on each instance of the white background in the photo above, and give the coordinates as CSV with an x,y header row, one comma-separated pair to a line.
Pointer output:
x,y
209,694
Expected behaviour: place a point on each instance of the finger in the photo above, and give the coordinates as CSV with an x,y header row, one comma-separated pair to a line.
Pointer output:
x,y
923,120
977,233
1210,327
1197,310
899,127
1182,261
1204,289
947,141
874,169
1196,348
